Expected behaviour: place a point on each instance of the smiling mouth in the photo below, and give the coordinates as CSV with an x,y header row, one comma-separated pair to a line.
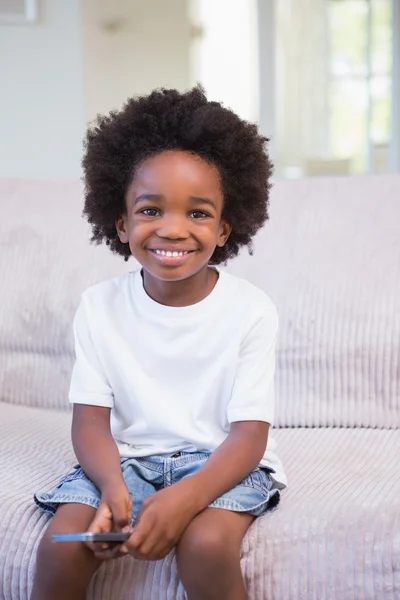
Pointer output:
x,y
172,257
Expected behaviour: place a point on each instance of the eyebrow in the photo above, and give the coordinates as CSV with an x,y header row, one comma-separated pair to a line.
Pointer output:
x,y
199,200
147,197
159,197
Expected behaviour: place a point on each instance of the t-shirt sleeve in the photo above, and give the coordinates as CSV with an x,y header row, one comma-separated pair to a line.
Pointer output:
x,y
89,384
253,390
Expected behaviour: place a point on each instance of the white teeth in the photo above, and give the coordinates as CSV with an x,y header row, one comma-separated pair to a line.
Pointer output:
x,y
169,253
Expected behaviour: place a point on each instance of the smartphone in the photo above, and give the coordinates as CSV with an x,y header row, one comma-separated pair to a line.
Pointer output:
x,y
91,537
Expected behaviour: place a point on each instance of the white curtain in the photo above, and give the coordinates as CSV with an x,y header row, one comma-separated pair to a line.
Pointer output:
x,y
301,94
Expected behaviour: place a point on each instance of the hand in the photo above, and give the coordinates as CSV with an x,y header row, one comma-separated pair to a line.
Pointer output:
x,y
113,515
161,522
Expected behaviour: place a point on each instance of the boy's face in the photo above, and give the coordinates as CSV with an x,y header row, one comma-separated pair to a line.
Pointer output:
x,y
173,215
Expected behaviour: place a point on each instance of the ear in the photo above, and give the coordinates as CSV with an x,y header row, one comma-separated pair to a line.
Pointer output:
x,y
224,232
120,225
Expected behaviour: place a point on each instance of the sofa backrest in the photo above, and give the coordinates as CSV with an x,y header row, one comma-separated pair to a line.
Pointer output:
x,y
329,258
45,264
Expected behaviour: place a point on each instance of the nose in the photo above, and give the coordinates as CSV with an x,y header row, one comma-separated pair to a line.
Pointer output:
x,y
173,227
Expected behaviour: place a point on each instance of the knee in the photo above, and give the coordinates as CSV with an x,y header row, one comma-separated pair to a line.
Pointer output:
x,y
205,547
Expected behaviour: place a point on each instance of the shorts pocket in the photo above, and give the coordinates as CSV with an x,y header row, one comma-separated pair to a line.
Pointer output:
x,y
76,473
259,480
254,495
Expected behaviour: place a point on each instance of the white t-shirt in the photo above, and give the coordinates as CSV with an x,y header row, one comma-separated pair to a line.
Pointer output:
x,y
176,377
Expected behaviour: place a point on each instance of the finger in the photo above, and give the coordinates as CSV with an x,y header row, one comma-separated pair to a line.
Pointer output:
x,y
154,555
97,546
121,514
109,553
153,548
160,554
133,543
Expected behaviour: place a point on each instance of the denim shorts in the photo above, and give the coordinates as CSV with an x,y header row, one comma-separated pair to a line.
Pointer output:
x,y
145,476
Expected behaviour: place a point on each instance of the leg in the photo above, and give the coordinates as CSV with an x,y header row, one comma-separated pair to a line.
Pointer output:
x,y
208,555
63,571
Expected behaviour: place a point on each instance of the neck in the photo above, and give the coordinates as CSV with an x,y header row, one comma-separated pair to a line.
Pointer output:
x,y
181,293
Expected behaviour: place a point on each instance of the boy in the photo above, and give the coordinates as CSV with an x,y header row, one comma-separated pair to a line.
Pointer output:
x,y
172,386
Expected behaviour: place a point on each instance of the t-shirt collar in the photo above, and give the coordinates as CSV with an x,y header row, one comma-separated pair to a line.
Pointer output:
x,y
150,305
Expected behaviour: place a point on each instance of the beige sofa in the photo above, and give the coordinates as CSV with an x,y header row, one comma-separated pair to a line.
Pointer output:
x,y
330,259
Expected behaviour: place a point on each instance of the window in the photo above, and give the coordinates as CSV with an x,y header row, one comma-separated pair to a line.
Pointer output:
x,y
360,82
336,85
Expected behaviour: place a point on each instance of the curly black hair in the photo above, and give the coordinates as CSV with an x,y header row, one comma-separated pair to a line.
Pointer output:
x,y
169,120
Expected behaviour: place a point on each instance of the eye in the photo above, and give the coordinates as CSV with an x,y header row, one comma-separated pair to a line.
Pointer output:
x,y
199,214
149,212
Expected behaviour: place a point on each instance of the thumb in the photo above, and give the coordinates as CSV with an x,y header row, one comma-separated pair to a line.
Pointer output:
x,y
102,521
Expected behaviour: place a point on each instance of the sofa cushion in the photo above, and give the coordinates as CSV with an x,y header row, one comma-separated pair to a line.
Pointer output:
x,y
337,527
330,259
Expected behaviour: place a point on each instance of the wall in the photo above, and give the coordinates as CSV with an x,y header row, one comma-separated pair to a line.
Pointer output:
x,y
81,57
41,98
132,47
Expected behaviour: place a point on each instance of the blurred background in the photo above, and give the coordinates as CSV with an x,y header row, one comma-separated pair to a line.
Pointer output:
x,y
320,77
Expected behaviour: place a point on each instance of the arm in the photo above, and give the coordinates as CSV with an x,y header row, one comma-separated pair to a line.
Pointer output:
x,y
231,462
94,446
98,455
250,412
92,398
